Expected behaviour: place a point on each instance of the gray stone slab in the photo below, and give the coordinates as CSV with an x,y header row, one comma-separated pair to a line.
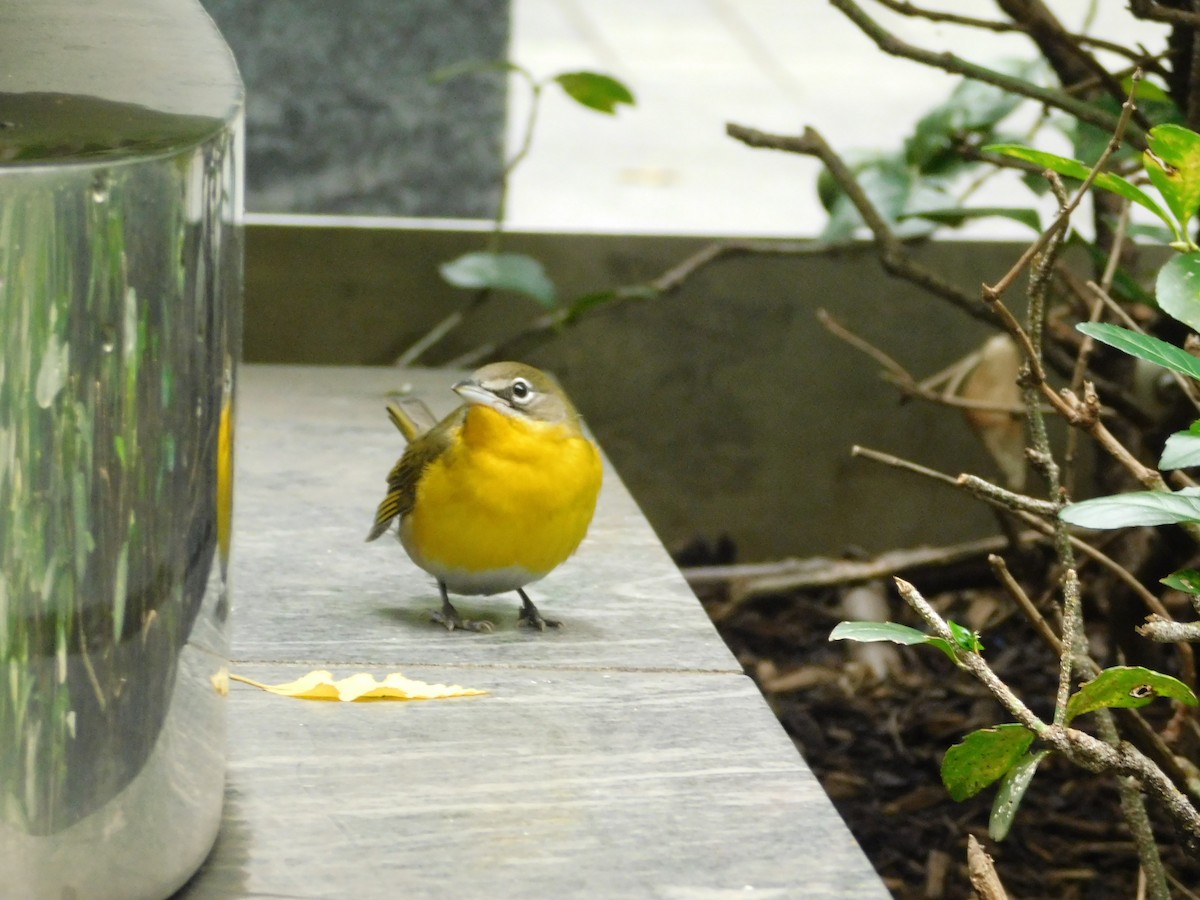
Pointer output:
x,y
342,115
555,784
314,450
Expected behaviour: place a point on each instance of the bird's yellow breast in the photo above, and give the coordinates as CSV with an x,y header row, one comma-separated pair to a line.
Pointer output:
x,y
507,493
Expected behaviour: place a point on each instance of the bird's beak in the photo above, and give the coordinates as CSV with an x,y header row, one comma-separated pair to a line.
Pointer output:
x,y
477,395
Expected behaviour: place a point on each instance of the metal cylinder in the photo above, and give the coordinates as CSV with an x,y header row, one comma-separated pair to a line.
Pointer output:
x,y
120,323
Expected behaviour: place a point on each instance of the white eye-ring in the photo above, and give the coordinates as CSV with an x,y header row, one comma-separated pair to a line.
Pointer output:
x,y
521,390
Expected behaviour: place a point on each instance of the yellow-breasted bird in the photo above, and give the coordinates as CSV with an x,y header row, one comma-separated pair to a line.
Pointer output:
x,y
495,495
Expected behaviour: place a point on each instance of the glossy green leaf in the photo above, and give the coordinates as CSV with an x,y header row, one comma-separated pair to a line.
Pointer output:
x,y
500,272
867,632
1143,346
1012,790
972,107
982,757
1186,580
1177,289
1127,687
1173,165
1182,449
1073,168
602,93
1135,508
955,216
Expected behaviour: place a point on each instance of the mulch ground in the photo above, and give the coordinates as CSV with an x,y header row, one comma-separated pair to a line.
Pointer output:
x,y
876,744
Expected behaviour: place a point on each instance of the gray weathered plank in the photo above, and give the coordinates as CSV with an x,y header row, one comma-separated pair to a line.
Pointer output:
x,y
626,756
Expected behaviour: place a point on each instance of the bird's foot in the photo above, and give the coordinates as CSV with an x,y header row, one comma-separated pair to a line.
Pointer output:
x,y
449,618
454,620
530,616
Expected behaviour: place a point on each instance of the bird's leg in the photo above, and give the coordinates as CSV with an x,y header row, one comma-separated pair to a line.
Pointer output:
x,y
449,618
530,615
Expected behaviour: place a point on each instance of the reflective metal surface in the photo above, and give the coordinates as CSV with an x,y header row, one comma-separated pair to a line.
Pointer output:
x,y
120,287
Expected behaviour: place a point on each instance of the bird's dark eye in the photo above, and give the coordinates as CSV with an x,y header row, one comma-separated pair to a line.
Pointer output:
x,y
521,390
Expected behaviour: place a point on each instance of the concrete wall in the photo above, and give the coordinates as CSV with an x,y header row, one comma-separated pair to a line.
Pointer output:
x,y
726,407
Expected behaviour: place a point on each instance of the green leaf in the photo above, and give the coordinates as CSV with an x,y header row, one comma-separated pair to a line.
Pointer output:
x,y
1012,790
893,190
587,302
1182,449
1135,508
473,67
1143,346
972,108
878,631
1178,289
1073,168
1125,286
1186,580
1173,165
956,215
964,637
501,272
602,93
982,757
1088,141
1127,687
867,632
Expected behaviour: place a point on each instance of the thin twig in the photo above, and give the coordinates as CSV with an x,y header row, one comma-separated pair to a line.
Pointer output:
x,y
1006,499
1147,735
1000,27
903,380
749,581
1036,619
948,62
898,463
672,280
1048,528
892,253
993,292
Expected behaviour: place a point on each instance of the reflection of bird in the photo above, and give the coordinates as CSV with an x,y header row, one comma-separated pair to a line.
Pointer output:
x,y
498,493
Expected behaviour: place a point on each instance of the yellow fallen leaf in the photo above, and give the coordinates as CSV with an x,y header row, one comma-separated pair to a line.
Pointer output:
x,y
320,685
220,681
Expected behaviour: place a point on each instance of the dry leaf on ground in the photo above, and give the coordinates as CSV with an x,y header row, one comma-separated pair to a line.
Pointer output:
x,y
320,685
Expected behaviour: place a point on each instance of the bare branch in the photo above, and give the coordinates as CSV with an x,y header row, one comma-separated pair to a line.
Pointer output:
x,y
1036,619
1157,12
1120,128
1001,27
1080,748
893,46
748,581
1071,63
892,253
904,381
548,324
1167,631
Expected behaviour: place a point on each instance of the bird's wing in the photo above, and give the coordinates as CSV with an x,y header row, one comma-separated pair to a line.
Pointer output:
x,y
411,417
402,480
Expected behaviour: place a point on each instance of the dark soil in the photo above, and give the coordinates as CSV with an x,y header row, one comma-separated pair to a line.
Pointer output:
x,y
876,744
